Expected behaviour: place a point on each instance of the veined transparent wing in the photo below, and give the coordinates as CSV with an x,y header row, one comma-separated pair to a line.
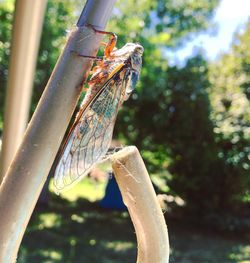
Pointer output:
x,y
91,135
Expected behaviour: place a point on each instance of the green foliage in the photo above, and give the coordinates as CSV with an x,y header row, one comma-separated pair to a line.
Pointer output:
x,y
6,18
153,95
169,21
180,18
190,134
168,118
229,96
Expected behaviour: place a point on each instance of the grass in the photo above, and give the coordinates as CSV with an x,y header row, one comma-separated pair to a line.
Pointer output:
x,y
86,189
73,228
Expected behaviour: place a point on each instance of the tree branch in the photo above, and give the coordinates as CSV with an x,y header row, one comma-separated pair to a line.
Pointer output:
x,y
140,198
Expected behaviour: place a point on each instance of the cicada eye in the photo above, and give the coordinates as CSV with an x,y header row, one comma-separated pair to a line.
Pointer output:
x,y
139,49
134,76
134,79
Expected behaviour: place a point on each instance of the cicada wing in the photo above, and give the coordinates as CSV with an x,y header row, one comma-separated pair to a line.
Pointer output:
x,y
92,134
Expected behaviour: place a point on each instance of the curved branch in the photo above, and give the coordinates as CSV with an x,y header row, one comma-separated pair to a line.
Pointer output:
x,y
140,198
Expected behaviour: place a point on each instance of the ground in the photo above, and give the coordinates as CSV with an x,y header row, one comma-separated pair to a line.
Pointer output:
x,y
72,228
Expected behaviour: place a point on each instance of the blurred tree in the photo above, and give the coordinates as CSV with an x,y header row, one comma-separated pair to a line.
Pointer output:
x,y
229,95
6,17
156,25
169,119
190,136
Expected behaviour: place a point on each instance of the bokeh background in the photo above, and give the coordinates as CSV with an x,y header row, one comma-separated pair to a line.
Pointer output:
x,y
189,117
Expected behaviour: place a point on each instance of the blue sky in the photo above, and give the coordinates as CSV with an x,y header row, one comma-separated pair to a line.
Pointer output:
x,y
229,17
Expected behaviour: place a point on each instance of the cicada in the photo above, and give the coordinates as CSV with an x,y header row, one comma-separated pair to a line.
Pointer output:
x,y
114,78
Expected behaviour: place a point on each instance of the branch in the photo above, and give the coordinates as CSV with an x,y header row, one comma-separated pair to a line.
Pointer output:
x,y
26,34
140,198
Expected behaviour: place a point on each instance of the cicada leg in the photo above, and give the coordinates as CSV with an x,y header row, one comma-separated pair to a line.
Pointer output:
x,y
86,56
111,43
112,40
109,47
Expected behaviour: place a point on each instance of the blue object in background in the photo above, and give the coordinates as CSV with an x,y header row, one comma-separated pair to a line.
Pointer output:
x,y
112,198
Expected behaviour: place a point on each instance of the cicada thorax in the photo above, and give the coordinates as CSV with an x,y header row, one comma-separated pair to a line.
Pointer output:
x,y
102,71
111,69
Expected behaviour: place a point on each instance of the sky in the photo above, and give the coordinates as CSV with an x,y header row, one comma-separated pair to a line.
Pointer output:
x,y
230,16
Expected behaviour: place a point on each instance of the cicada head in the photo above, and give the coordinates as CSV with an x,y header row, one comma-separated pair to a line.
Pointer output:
x,y
136,56
130,54
134,66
